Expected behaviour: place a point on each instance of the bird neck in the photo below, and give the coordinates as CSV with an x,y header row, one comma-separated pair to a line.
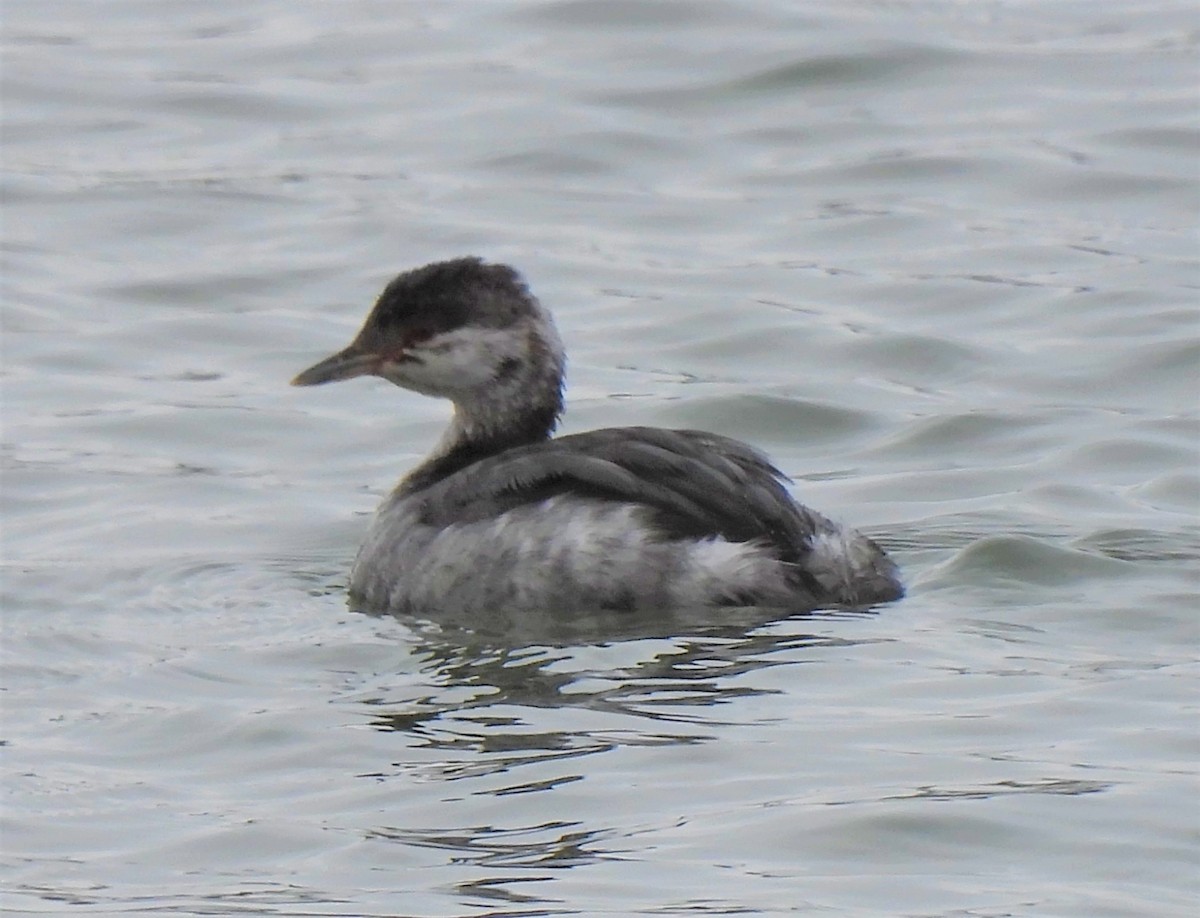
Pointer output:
x,y
511,414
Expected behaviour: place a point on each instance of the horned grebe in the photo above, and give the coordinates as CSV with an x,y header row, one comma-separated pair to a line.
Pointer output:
x,y
502,516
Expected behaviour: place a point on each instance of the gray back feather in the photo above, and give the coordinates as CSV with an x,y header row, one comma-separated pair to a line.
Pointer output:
x,y
695,484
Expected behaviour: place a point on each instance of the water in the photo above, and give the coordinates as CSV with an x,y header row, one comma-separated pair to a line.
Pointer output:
x,y
939,259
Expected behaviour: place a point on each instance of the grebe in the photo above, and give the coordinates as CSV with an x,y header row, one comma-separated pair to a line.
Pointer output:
x,y
502,516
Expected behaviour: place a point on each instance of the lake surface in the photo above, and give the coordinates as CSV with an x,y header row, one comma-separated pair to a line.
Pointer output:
x,y
938,259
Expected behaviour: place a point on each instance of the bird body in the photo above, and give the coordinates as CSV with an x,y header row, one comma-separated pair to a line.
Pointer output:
x,y
504,516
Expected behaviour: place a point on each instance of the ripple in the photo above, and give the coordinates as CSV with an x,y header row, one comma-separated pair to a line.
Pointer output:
x,y
874,66
1178,492
1144,544
761,418
1011,560
548,845
988,435
1069,787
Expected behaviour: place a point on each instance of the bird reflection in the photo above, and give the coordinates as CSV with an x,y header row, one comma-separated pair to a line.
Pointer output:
x,y
520,707
669,669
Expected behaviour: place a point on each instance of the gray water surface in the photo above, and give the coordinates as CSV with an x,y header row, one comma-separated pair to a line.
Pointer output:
x,y
939,259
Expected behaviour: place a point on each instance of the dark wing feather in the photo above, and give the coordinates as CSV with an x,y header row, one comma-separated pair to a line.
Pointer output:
x,y
695,484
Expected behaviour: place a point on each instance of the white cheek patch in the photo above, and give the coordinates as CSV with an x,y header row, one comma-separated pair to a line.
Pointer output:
x,y
462,359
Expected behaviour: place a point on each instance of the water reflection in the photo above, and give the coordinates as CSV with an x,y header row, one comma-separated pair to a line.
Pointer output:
x,y
528,854
482,699
652,668
1053,786
510,713
552,844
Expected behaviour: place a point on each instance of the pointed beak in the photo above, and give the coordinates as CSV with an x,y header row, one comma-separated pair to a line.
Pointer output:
x,y
353,361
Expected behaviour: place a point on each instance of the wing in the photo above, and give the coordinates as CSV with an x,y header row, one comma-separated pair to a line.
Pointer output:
x,y
694,484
